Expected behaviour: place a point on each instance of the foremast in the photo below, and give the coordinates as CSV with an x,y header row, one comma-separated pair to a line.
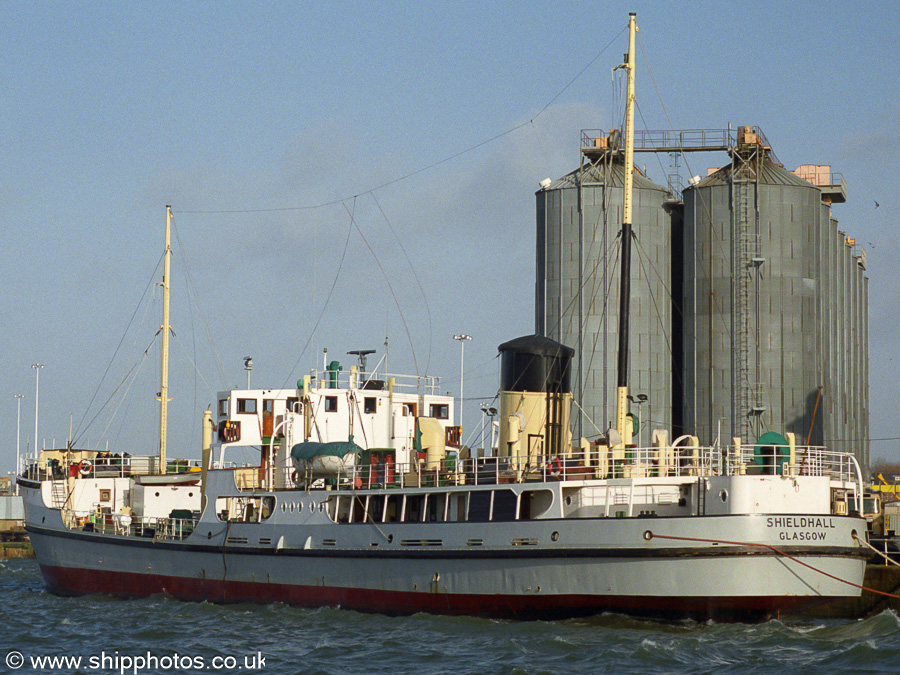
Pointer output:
x,y
622,426
164,380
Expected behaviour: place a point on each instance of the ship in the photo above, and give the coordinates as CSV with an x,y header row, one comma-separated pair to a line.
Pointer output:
x,y
364,497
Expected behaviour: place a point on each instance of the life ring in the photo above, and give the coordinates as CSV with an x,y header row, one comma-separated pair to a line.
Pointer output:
x,y
85,467
554,466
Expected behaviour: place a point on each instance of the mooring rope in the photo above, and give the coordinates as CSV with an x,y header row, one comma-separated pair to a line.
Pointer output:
x,y
648,535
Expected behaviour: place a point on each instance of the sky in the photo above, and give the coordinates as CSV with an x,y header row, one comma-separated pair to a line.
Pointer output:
x,y
343,172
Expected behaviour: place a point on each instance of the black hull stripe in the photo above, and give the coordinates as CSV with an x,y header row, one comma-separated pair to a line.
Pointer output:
x,y
439,553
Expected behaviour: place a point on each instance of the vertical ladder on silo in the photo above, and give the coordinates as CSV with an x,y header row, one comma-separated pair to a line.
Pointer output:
x,y
745,179
741,294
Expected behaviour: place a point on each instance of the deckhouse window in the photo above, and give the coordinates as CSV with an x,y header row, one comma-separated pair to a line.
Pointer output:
x,y
247,406
331,404
480,506
436,508
223,407
505,505
412,511
292,404
392,508
370,405
440,411
375,509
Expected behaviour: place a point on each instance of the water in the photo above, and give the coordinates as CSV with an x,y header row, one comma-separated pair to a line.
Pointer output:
x,y
293,640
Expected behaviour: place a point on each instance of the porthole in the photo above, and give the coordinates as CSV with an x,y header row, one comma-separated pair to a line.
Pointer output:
x,y
299,507
390,538
554,536
723,495
321,507
284,507
569,500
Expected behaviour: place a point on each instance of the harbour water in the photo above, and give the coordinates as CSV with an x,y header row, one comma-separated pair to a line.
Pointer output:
x,y
125,636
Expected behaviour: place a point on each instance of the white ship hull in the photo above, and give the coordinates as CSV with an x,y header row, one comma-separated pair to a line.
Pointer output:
x,y
527,569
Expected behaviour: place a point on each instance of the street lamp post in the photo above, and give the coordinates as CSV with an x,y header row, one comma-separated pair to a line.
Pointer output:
x,y
19,398
37,382
463,338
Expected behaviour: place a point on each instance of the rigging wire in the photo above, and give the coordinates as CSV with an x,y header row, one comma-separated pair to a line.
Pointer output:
x,y
433,165
390,288
337,275
606,296
135,369
704,205
415,275
647,128
79,431
192,290
191,365
642,256
716,240
662,327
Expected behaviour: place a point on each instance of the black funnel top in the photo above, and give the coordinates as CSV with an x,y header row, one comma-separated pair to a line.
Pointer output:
x,y
535,363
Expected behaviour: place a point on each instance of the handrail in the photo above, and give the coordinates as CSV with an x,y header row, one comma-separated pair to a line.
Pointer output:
x,y
113,466
601,463
341,379
859,483
128,525
671,140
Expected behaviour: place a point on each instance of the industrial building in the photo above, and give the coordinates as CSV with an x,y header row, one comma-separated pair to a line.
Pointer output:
x,y
749,304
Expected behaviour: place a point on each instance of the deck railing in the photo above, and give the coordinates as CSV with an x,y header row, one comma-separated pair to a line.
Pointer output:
x,y
107,466
128,525
340,379
599,462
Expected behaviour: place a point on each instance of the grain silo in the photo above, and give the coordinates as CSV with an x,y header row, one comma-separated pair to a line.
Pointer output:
x,y
775,311
579,218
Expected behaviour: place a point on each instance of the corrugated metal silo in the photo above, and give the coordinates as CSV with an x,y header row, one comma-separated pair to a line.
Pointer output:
x,y
579,218
774,309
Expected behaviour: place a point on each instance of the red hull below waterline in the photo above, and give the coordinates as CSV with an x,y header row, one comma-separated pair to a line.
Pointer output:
x,y
69,581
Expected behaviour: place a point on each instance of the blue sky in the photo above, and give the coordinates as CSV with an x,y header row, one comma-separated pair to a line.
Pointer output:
x,y
267,125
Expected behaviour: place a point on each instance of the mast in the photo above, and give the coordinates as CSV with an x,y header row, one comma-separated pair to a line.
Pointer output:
x,y
164,383
625,283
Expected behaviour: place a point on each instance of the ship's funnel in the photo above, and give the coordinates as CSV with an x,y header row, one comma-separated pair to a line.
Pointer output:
x,y
535,400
